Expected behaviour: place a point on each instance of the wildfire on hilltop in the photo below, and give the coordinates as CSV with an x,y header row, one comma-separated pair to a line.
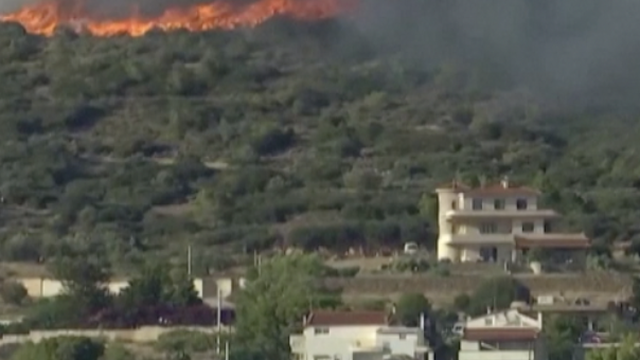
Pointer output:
x,y
44,17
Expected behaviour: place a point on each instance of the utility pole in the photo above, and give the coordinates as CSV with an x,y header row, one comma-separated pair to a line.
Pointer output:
x,y
189,261
259,264
218,321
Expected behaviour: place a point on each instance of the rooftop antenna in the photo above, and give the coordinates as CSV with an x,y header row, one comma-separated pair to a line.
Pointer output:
x,y
457,178
505,181
483,180
189,261
495,295
218,319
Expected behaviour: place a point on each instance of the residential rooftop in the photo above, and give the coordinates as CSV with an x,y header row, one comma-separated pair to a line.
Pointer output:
x,y
346,318
502,188
500,334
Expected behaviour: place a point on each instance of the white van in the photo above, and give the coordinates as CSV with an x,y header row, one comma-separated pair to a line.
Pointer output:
x,y
410,248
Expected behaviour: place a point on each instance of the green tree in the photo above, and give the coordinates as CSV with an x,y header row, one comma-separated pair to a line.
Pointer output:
x,y
85,282
61,348
185,340
562,331
626,351
117,351
13,293
272,140
155,285
57,312
462,302
497,293
635,293
410,307
182,291
429,207
278,293
146,289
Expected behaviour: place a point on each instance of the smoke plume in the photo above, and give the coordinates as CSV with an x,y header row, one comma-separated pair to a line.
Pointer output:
x,y
576,49
584,49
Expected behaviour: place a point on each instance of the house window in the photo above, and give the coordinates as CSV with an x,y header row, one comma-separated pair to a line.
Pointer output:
x,y
488,321
488,228
403,336
498,204
547,227
527,227
476,204
321,330
454,205
521,204
456,229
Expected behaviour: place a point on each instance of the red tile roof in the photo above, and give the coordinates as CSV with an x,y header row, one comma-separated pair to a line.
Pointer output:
x,y
501,334
561,241
346,318
454,185
491,189
499,189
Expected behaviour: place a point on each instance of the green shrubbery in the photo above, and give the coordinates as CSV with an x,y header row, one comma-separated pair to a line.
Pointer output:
x,y
229,140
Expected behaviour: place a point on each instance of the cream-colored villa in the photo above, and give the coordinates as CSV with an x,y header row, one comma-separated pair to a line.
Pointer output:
x,y
499,223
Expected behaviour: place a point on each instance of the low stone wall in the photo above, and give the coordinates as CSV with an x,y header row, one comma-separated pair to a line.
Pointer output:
x,y
601,285
139,335
45,287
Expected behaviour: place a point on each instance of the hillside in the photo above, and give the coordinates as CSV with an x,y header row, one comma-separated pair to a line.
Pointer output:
x,y
311,134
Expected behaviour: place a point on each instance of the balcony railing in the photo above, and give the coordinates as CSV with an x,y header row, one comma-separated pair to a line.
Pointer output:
x,y
537,213
296,342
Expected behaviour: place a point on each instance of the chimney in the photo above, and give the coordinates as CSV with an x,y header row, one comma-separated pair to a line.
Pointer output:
x,y
505,182
540,319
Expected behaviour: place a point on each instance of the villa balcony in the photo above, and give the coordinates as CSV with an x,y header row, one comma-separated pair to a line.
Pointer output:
x,y
365,346
297,344
497,355
482,239
502,214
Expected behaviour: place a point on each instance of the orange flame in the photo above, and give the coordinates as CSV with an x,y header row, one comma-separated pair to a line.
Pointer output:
x,y
43,18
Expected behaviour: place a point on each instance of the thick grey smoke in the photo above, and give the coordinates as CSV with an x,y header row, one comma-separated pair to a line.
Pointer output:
x,y
11,5
581,49
578,48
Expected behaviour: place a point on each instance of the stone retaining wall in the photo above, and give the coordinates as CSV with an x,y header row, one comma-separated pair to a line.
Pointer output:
x,y
609,285
139,335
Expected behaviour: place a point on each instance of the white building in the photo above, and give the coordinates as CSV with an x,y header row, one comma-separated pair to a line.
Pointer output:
x,y
500,223
45,287
506,335
361,335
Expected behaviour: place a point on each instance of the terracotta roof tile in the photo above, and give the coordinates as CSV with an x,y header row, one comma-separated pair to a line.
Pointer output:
x,y
500,334
490,189
561,241
346,318
498,189
453,185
